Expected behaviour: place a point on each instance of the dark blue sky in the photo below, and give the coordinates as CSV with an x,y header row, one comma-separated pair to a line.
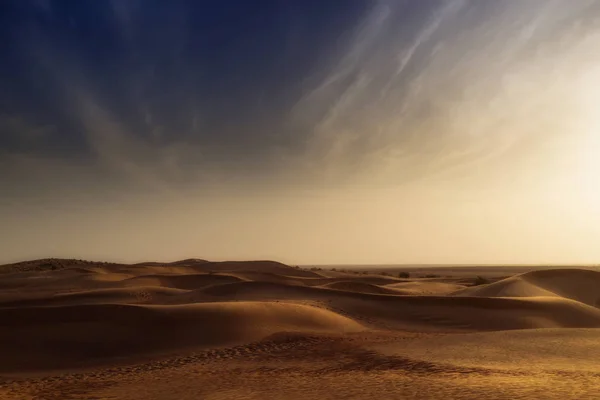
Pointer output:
x,y
210,71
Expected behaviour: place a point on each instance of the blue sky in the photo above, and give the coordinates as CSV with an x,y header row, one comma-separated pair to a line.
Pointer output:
x,y
259,116
218,74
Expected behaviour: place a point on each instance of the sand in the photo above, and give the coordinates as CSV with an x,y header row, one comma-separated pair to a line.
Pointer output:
x,y
196,329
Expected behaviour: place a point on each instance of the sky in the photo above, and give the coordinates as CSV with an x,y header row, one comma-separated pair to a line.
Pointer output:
x,y
309,132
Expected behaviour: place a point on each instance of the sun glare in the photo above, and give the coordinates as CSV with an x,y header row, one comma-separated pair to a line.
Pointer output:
x,y
586,174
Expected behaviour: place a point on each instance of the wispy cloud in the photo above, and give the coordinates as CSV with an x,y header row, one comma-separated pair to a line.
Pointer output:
x,y
474,81
446,11
414,90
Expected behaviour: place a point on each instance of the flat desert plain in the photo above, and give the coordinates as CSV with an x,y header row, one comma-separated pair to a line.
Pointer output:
x,y
196,329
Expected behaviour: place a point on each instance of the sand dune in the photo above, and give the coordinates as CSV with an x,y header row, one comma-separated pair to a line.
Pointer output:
x,y
135,295
96,314
271,267
187,281
261,290
372,280
577,284
548,349
361,287
427,287
53,337
186,262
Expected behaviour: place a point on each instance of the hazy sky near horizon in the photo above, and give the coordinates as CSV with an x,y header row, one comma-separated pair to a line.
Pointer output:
x,y
342,131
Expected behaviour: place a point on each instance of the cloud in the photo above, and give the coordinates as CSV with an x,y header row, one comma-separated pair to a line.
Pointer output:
x,y
474,82
446,11
415,90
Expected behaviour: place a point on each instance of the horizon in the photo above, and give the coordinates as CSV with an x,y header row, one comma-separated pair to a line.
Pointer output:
x,y
347,266
431,132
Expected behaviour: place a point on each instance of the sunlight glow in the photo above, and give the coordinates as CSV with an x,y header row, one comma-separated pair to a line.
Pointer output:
x,y
586,179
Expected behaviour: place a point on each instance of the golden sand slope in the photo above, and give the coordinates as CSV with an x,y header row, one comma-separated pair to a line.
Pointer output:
x,y
576,284
361,287
538,349
36,338
537,364
427,287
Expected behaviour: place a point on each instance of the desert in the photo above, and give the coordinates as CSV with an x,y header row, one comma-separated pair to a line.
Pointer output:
x,y
196,329
299,200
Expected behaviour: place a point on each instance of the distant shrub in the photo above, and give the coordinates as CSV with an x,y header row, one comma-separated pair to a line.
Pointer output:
x,y
404,275
333,269
480,281
432,276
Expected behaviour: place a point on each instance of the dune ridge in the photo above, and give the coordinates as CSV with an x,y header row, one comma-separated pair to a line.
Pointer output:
x,y
80,334
576,284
